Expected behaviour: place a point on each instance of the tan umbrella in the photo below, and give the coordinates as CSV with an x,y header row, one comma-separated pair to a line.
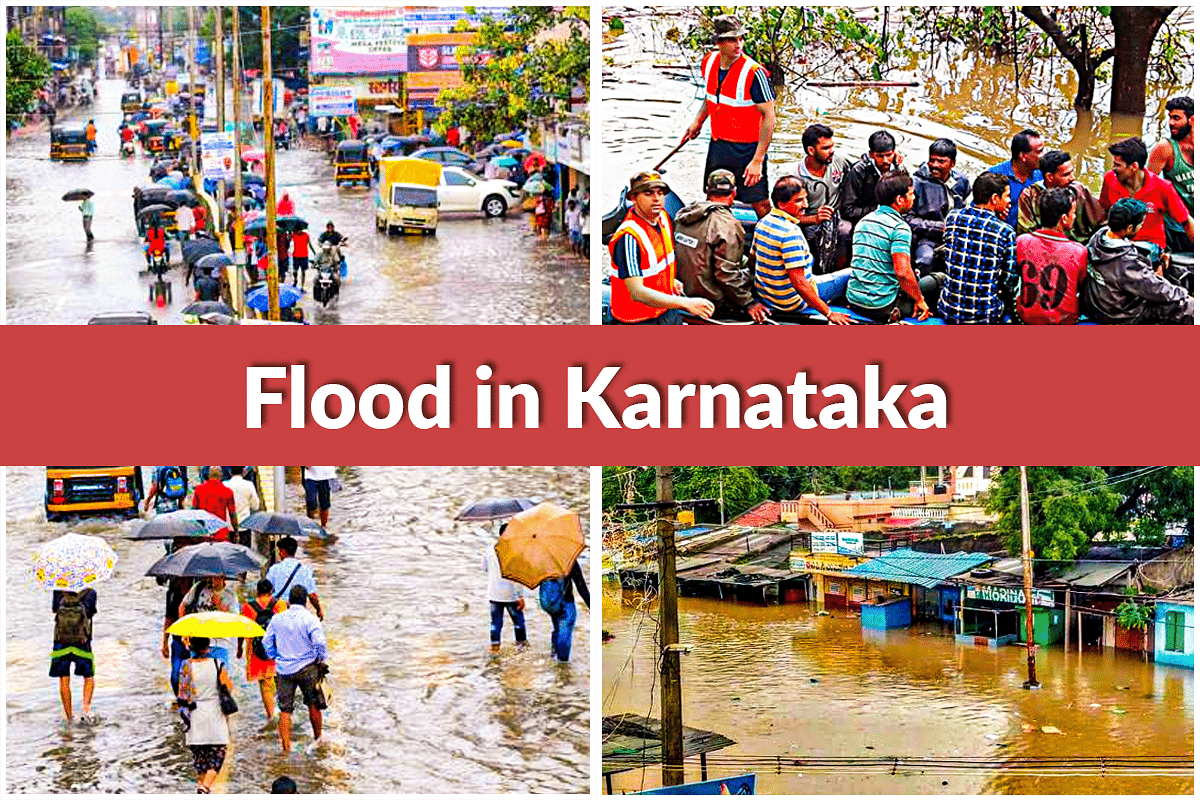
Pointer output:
x,y
540,543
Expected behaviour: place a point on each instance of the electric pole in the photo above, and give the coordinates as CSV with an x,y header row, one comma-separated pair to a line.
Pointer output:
x,y
219,31
193,74
922,481
268,114
668,634
235,76
1027,561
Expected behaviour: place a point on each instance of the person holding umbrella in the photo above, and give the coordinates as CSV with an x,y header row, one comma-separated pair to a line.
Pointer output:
x,y
212,594
503,596
199,698
87,210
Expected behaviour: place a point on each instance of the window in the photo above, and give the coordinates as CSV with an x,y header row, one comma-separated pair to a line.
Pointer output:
x,y
1175,629
457,179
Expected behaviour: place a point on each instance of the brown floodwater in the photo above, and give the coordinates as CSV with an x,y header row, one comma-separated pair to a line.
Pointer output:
x,y
781,680
972,98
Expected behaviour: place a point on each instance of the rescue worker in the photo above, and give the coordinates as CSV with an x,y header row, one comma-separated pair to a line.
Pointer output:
x,y
740,104
644,289
709,244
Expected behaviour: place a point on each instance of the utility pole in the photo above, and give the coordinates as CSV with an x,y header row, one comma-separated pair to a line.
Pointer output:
x,y
922,481
194,74
1027,561
268,113
219,55
239,249
162,53
721,479
668,634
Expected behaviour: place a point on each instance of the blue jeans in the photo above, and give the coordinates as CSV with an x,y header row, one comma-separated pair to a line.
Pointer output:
x,y
514,613
564,627
179,654
832,286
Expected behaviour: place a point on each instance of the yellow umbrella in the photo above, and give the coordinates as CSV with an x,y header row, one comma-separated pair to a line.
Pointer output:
x,y
216,625
540,543
511,143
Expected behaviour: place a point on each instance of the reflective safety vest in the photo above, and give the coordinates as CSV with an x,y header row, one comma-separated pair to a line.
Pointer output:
x,y
657,249
731,109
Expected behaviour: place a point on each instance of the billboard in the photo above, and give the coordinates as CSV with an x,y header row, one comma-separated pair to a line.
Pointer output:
x,y
1014,595
216,149
436,52
332,101
350,41
844,542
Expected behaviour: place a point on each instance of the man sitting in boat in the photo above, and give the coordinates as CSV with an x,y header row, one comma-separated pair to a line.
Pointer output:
x,y
709,243
644,288
938,189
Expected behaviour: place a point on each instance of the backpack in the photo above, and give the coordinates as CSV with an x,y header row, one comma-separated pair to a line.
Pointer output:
x,y
172,483
262,616
552,595
72,626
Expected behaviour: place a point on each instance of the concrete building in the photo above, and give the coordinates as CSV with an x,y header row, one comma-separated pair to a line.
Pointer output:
x,y
1175,630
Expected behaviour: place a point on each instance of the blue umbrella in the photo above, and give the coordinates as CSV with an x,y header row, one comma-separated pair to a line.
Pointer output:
x,y
506,161
288,295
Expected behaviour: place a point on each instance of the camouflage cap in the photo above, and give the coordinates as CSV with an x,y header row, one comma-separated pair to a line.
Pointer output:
x,y
647,180
721,181
728,26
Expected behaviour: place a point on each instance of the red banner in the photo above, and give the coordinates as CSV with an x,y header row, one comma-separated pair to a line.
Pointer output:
x,y
1012,394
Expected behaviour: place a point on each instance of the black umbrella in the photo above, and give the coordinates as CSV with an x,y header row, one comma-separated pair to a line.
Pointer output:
x,y
201,307
219,319
256,227
291,223
153,194
181,197
250,177
195,249
192,522
491,508
208,560
272,524
77,194
214,261
156,210
247,203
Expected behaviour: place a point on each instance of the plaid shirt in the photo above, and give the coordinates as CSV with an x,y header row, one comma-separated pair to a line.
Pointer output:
x,y
981,266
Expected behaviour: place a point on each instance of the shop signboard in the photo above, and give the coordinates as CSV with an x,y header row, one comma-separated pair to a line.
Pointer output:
x,y
357,41
331,101
737,784
1013,595
437,52
822,562
844,542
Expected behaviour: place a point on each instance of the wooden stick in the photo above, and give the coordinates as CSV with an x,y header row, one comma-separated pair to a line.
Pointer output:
x,y
667,157
838,84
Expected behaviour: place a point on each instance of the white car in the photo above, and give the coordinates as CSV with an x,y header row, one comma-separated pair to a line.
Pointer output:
x,y
459,190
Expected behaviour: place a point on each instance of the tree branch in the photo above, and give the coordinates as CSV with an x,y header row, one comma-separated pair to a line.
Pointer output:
x,y
1052,29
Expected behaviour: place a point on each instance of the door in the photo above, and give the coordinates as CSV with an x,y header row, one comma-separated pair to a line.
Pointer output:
x,y
458,191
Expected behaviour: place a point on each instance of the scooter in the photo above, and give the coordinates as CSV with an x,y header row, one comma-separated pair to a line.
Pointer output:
x,y
128,149
160,290
327,284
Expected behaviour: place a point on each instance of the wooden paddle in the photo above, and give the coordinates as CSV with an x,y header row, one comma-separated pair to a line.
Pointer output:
x,y
667,157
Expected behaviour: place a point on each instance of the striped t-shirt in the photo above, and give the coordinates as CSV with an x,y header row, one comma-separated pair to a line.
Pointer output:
x,y
877,237
779,247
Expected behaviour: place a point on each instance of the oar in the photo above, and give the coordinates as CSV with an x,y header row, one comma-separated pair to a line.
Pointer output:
x,y
667,157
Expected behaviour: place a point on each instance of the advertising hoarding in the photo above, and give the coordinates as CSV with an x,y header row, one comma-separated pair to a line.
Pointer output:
x,y
217,151
350,41
332,101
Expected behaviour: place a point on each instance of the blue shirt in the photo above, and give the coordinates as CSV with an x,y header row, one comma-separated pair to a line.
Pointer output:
x,y
981,267
1015,187
294,640
780,247
278,576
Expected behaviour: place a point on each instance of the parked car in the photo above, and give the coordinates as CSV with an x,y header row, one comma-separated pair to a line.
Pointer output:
x,y
450,157
460,190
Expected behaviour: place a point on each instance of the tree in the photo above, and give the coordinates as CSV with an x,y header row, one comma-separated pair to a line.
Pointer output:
x,y
25,71
740,487
1068,506
286,24
519,66
1154,499
83,30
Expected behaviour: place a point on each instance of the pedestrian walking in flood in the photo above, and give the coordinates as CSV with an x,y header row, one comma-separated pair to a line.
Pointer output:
x,y
317,485
557,599
504,596
260,668
88,210
296,642
206,725
291,571
73,613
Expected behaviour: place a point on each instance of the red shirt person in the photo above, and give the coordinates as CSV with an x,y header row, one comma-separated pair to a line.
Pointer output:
x,y
1052,266
217,499
1129,178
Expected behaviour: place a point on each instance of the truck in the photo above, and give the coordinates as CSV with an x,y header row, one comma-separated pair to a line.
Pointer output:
x,y
408,195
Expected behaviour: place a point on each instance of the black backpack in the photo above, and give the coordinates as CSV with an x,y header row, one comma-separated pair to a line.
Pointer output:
x,y
72,625
263,617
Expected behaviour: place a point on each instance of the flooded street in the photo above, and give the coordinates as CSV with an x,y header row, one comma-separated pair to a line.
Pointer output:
x,y
473,272
650,98
781,680
419,704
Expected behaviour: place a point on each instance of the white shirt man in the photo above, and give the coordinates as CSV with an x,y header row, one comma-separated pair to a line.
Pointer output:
x,y
245,496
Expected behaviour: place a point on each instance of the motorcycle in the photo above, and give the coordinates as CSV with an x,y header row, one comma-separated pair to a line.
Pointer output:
x,y
128,149
327,285
160,290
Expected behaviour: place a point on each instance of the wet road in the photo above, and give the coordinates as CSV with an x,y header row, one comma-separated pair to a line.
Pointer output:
x,y
474,271
971,99
780,680
419,703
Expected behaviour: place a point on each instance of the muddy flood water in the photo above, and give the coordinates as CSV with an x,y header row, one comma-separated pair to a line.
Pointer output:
x,y
781,680
419,702
650,96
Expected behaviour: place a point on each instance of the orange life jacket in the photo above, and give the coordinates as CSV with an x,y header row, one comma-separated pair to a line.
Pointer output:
x,y
731,109
657,247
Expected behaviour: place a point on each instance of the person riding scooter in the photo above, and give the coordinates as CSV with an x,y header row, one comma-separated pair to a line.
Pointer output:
x,y
157,256
337,240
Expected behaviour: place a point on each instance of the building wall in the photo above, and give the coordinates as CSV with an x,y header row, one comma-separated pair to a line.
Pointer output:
x,y
1161,655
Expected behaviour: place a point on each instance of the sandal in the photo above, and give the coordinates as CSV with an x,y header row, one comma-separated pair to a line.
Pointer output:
x,y
203,790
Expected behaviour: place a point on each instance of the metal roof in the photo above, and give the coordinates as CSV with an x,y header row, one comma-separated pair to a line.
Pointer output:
x,y
922,569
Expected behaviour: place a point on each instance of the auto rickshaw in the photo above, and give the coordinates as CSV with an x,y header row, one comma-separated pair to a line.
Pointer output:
x,y
131,102
160,137
350,163
68,143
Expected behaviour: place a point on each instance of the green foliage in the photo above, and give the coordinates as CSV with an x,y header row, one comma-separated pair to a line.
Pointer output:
x,y
1068,506
84,29
1153,501
526,73
1130,614
741,487
25,70
286,24
616,24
